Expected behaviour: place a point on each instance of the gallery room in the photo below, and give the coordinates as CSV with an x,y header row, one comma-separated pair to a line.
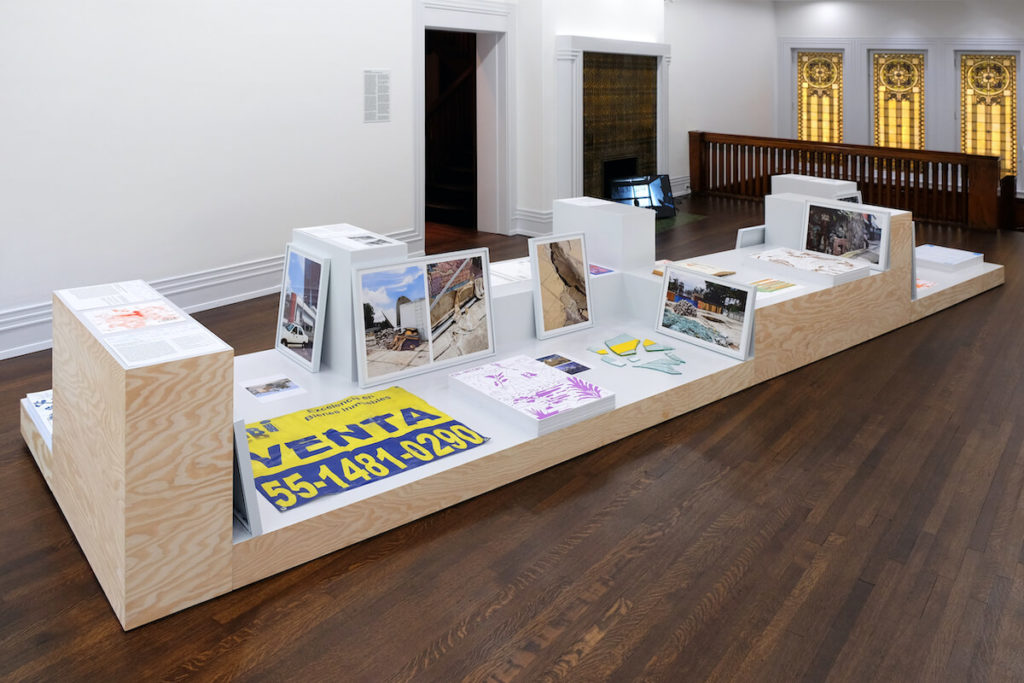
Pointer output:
x,y
471,340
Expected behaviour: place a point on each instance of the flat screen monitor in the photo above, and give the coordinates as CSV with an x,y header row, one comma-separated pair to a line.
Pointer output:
x,y
648,191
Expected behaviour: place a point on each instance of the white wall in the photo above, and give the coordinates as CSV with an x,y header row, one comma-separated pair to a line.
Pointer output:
x,y
156,139
926,18
540,22
723,72
939,29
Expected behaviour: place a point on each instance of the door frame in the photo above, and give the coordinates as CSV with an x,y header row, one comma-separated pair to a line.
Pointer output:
x,y
494,25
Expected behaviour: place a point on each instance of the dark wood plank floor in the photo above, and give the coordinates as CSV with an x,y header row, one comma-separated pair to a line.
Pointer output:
x,y
860,519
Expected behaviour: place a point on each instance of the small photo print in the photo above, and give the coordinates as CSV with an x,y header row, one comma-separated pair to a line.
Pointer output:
x,y
554,360
570,367
599,270
271,388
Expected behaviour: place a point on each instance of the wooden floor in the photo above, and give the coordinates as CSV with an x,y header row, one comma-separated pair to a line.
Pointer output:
x,y
860,519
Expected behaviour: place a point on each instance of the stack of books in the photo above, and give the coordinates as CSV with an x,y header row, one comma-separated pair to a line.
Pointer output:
x,y
944,258
535,396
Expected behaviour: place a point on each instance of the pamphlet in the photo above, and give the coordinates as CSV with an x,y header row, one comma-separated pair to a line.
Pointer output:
x,y
146,346
113,294
708,269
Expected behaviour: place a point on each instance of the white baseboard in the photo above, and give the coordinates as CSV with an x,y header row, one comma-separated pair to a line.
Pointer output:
x,y
532,223
680,185
30,328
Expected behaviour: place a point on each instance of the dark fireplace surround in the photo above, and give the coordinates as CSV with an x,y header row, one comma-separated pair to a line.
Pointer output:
x,y
620,119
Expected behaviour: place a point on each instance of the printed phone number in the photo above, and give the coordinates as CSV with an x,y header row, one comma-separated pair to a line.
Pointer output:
x,y
356,469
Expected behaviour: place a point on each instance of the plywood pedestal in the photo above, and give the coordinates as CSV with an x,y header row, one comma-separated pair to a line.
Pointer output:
x,y
141,461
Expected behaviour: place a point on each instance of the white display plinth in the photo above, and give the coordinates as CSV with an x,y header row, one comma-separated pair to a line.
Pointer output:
x,y
150,535
618,236
335,242
783,220
828,188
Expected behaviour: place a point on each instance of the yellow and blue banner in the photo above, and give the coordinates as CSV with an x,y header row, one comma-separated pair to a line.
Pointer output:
x,y
302,456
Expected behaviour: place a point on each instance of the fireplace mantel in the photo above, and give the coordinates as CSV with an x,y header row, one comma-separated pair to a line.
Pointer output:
x,y
569,104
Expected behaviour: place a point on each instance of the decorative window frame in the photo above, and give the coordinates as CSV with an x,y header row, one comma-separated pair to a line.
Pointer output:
x,y
942,79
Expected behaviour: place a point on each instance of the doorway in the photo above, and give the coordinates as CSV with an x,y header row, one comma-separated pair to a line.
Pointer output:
x,y
450,100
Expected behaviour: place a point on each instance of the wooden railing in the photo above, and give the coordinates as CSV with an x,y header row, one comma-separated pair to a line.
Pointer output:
x,y
934,186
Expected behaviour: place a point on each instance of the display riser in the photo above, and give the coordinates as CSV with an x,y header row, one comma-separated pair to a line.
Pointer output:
x,y
271,553
790,330
141,467
629,384
957,287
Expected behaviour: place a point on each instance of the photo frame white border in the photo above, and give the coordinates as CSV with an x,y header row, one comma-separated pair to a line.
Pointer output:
x,y
746,335
422,261
538,308
313,365
881,216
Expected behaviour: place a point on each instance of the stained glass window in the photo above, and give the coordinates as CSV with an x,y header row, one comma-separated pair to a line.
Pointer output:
x,y
819,82
988,107
899,99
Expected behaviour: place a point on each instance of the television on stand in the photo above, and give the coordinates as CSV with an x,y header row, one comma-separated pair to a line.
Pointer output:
x,y
648,191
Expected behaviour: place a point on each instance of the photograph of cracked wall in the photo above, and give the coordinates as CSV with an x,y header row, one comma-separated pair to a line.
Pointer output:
x,y
459,324
561,298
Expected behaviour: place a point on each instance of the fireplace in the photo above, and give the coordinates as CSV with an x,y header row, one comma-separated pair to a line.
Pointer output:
x,y
620,119
613,169
612,104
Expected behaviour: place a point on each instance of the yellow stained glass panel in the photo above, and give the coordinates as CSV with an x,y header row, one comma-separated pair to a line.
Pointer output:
x,y
988,107
820,96
899,99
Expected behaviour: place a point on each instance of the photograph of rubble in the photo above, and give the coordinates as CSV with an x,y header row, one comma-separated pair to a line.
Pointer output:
x,y
422,314
707,311
850,233
459,315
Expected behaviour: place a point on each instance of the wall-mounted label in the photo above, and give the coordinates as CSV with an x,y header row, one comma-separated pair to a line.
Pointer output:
x,y
377,96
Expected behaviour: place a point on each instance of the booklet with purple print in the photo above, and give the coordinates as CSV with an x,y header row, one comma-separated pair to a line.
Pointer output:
x,y
541,397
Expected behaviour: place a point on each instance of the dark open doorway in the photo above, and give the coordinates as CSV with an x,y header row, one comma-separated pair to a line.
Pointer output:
x,y
450,150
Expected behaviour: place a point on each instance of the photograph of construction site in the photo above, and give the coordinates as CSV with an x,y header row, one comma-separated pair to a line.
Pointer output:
x,y
422,313
707,311
842,232
561,297
394,313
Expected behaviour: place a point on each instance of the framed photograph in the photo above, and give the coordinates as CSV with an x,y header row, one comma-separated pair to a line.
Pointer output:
x,y
422,314
707,311
561,285
840,229
300,318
